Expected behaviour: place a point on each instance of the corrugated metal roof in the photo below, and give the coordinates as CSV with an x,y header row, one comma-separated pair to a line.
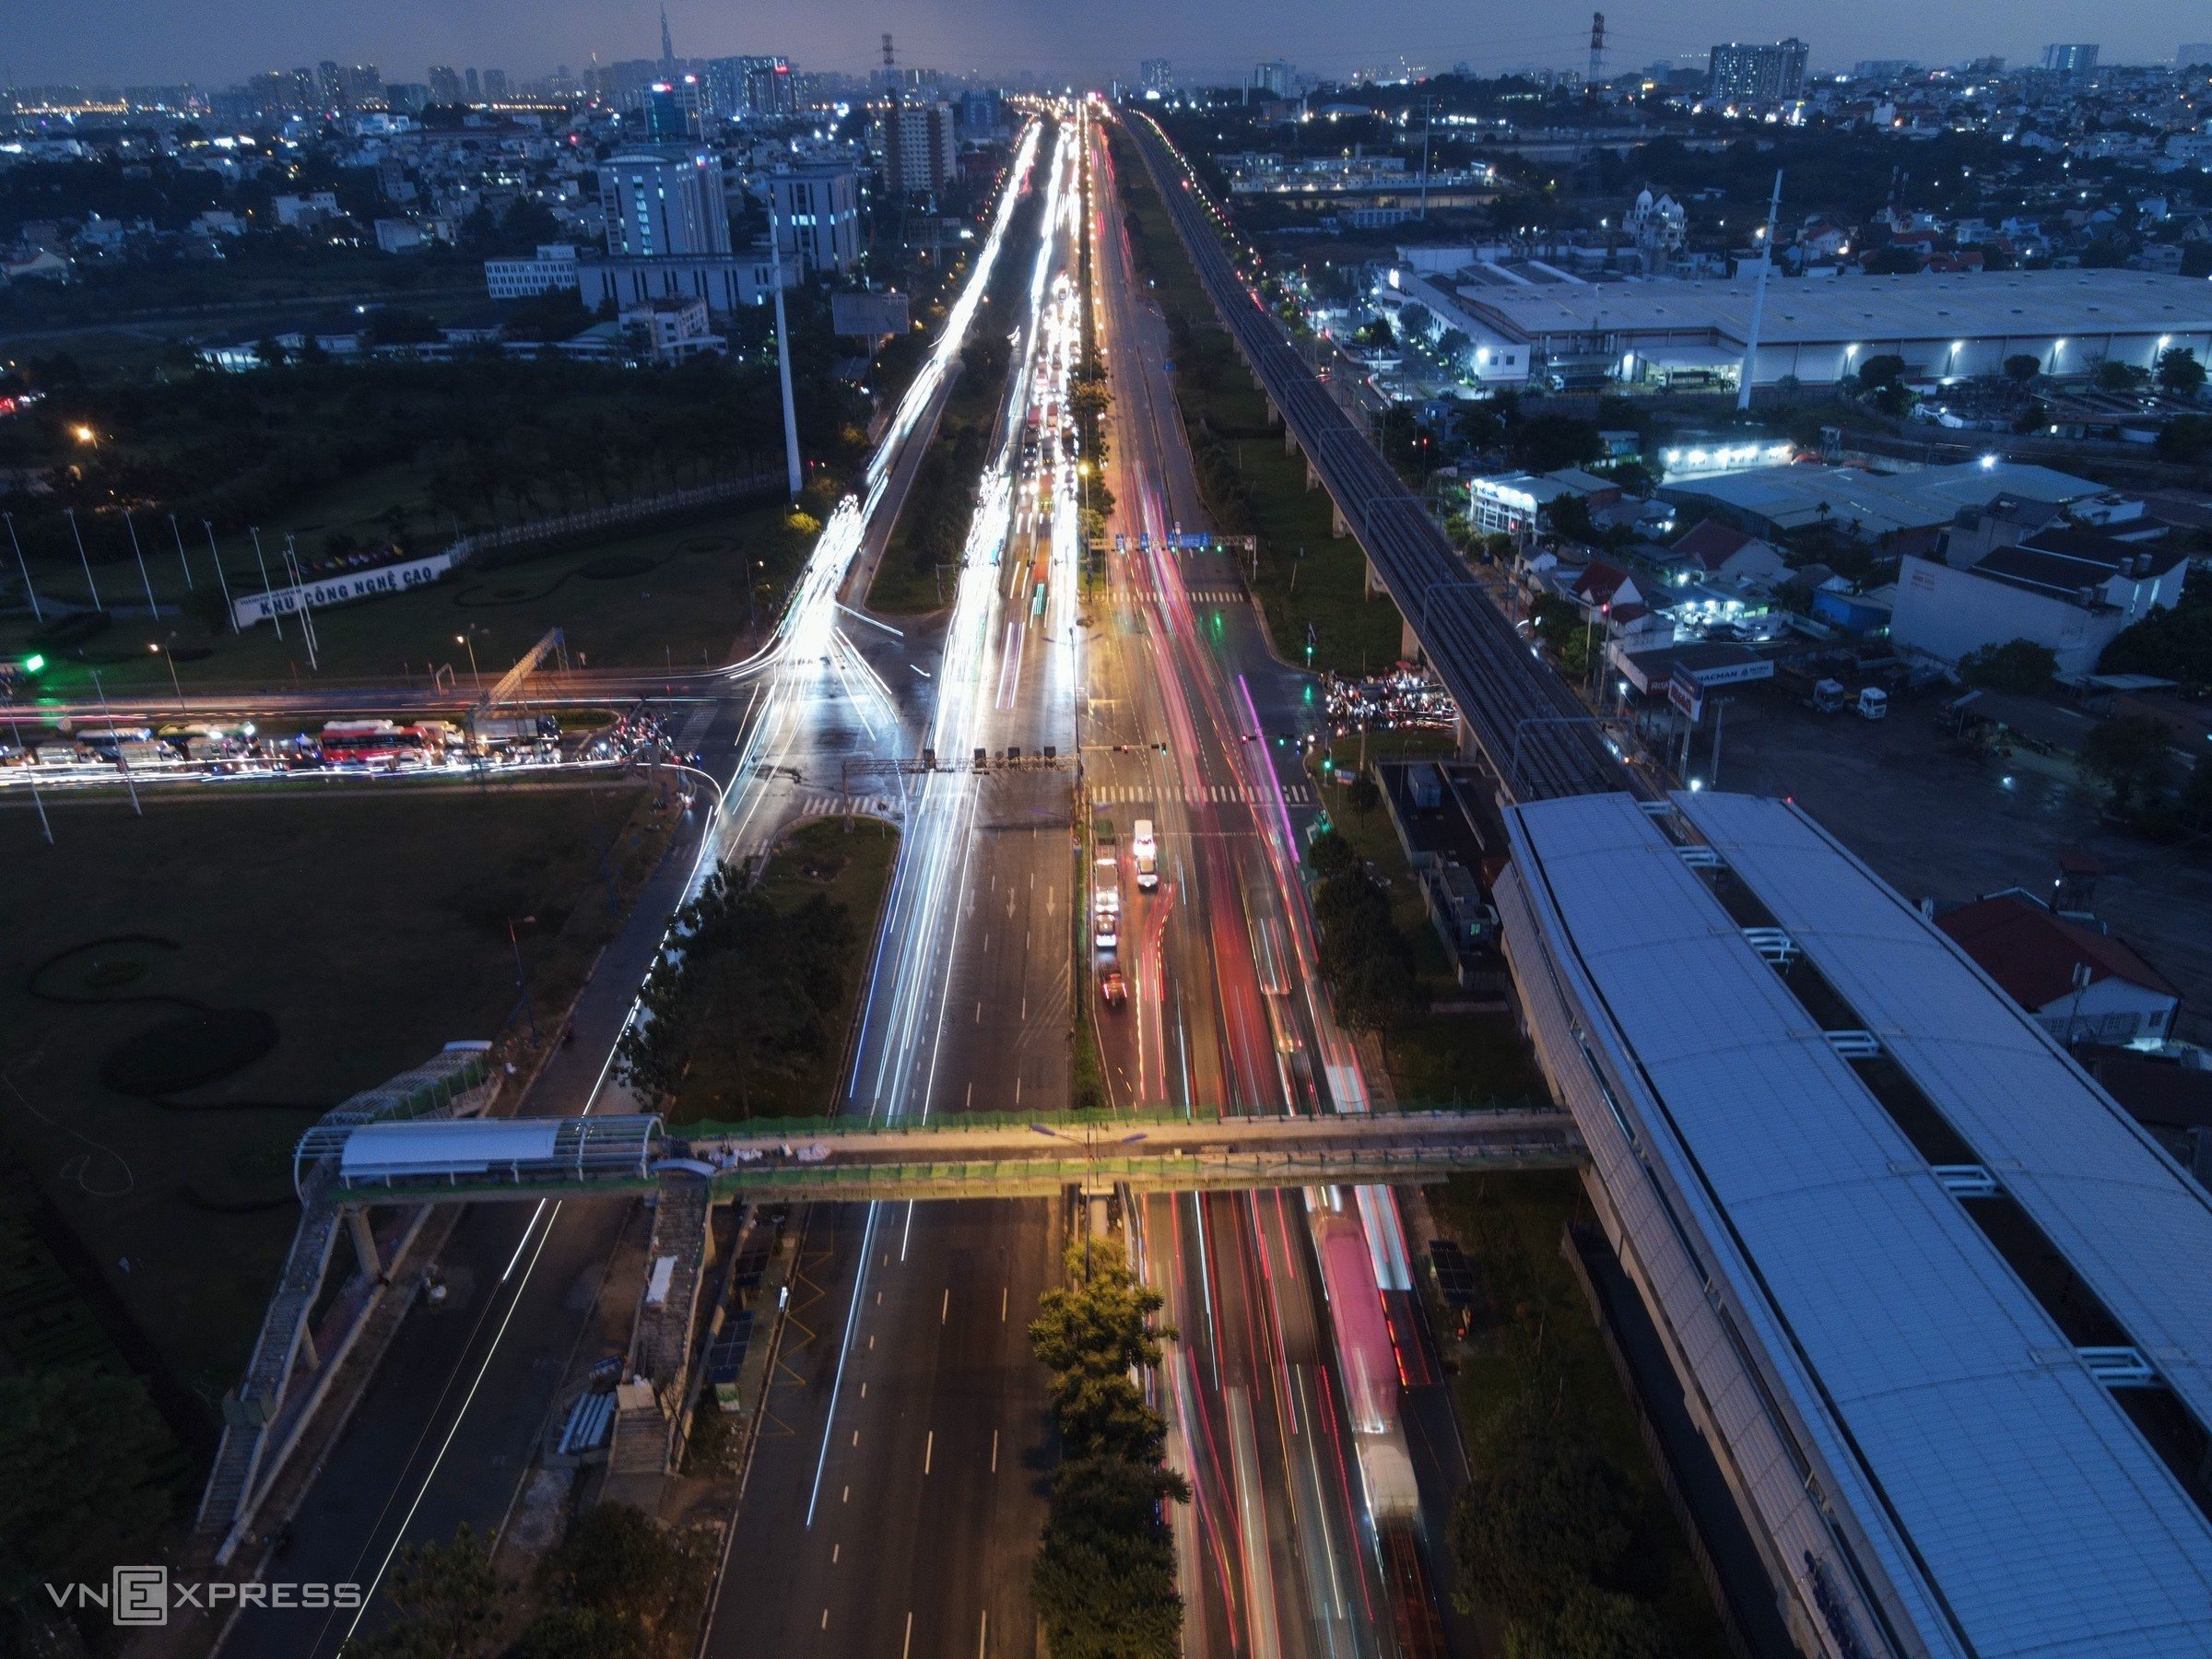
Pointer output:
x,y
2130,1223
1955,1415
445,1146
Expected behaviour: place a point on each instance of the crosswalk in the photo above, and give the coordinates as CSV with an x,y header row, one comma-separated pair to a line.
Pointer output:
x,y
1195,595
815,803
1129,795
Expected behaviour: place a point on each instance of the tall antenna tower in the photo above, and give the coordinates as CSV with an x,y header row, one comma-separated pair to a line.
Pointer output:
x,y
667,45
890,63
1597,48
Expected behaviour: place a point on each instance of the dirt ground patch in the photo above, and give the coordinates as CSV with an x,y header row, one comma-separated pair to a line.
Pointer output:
x,y
1937,822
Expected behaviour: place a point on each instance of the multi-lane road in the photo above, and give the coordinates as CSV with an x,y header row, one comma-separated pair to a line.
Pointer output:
x,y
894,1498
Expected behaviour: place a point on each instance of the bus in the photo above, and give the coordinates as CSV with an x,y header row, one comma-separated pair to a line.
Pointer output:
x,y
1105,890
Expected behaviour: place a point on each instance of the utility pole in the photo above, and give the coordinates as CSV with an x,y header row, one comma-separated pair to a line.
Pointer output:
x,y
153,611
179,534
1758,305
122,759
268,594
307,623
83,557
36,614
1427,122
791,477
30,770
216,553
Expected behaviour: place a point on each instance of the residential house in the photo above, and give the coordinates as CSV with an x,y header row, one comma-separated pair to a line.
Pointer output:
x,y
2081,984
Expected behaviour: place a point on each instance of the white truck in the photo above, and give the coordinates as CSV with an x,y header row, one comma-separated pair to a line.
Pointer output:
x,y
1145,851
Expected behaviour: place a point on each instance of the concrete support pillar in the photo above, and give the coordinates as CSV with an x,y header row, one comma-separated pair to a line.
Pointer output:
x,y
1464,734
364,1242
1337,527
1409,644
1289,442
309,1355
1275,416
1312,477
1371,579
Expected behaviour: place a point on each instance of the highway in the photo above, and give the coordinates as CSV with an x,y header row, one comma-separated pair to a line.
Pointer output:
x,y
448,1429
1277,1549
1538,736
896,1503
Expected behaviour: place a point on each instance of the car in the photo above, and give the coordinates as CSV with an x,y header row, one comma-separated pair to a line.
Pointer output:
x,y
1113,988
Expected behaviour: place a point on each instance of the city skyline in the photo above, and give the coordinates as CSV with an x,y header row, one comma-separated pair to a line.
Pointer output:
x,y
106,41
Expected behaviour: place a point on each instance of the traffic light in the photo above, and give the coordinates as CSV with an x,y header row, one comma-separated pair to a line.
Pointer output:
x,y
34,664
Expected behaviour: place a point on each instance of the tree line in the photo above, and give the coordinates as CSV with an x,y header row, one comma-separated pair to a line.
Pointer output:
x,y
746,992
616,1587
1104,1576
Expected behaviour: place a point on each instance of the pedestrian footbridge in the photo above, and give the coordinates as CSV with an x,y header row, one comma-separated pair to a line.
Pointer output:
x,y
969,1156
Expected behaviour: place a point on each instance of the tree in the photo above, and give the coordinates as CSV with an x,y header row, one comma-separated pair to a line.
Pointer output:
x,y
2173,642
81,1452
1104,1578
1885,370
2186,437
1328,855
2022,368
1546,443
449,1604
2180,374
1364,794
1590,1623
2115,376
2130,754
619,1571
1540,1514
2021,667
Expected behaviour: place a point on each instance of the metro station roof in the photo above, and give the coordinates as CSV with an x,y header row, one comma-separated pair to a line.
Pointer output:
x,y
445,1146
2011,1499
2135,1228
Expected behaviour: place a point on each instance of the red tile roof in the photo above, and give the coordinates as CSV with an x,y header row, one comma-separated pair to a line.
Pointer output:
x,y
1713,544
2031,952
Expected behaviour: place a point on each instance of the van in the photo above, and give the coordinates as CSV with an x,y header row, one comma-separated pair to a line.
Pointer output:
x,y
1145,851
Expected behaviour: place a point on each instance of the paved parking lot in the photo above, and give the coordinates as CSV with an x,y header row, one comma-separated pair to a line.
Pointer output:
x,y
1937,822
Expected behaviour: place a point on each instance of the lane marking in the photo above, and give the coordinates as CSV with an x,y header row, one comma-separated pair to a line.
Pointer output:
x,y
929,1451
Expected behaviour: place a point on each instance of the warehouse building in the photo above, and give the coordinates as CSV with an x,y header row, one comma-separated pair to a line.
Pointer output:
x,y
1661,332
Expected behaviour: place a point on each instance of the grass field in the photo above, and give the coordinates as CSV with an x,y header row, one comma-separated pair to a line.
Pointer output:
x,y
848,861
1306,576
668,596
371,926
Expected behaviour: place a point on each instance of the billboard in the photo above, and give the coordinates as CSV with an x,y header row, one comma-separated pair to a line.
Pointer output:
x,y
868,313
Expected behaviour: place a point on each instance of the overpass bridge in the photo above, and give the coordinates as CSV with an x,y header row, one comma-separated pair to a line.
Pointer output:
x,y
1537,735
436,1160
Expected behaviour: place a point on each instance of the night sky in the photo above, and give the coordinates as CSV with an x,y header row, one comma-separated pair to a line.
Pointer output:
x,y
214,42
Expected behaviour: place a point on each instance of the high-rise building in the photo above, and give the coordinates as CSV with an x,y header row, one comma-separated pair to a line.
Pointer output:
x,y
495,85
1274,76
444,83
1757,74
663,203
920,146
2078,58
407,98
979,113
770,89
475,88
330,82
1157,75
2194,55
818,218
668,121
364,85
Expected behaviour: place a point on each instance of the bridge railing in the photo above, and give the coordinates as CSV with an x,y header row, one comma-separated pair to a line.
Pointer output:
x,y
805,1128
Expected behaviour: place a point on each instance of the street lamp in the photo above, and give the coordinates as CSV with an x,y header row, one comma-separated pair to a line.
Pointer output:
x,y
466,637
171,661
